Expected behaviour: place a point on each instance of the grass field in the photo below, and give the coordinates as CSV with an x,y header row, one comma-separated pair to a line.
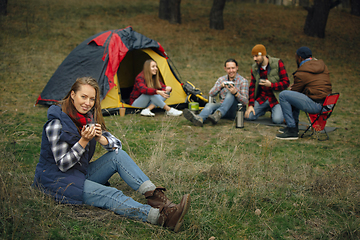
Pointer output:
x,y
305,189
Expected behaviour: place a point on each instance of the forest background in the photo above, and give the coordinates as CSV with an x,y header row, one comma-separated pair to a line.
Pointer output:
x,y
305,189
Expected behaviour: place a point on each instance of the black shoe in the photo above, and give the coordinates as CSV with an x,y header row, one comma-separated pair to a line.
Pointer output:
x,y
215,117
289,134
189,115
284,129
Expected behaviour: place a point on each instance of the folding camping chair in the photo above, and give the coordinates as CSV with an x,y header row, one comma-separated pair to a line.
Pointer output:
x,y
318,121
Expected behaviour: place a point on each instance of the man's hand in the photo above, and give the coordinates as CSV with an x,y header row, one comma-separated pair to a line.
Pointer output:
x,y
231,88
265,82
249,110
291,86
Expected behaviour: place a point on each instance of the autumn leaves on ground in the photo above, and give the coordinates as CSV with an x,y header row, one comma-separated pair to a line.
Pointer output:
x,y
304,189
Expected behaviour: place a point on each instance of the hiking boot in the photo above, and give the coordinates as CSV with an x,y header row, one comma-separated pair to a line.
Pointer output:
x,y
192,117
173,216
157,198
147,113
174,112
215,117
289,134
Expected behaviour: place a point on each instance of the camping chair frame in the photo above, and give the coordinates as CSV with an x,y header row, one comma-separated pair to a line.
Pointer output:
x,y
318,121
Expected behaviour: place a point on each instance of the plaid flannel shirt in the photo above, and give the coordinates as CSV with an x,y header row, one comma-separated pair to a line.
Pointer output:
x,y
240,83
140,87
67,156
266,92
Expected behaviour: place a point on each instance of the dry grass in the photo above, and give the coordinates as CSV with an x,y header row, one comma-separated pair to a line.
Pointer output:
x,y
305,189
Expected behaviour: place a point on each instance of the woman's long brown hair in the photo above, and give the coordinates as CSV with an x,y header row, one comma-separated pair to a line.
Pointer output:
x,y
152,81
67,104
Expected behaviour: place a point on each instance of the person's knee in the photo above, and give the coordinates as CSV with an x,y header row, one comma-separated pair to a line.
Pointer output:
x,y
209,106
277,119
119,155
284,94
277,115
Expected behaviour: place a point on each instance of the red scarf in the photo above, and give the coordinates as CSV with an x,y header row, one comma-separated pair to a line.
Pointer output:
x,y
82,119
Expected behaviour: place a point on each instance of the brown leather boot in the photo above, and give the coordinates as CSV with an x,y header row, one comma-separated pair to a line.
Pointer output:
x,y
157,198
215,117
173,217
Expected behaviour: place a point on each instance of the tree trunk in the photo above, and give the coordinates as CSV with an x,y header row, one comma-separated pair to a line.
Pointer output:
x,y
276,2
175,15
216,15
164,10
304,3
345,4
316,19
355,7
3,7
170,10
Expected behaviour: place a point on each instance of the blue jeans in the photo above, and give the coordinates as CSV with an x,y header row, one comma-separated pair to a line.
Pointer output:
x,y
97,194
292,102
277,116
227,108
145,100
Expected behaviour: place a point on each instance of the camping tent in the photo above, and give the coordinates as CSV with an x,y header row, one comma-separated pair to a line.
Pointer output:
x,y
114,58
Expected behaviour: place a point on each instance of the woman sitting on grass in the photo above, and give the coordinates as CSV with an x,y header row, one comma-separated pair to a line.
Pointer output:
x,y
149,92
65,171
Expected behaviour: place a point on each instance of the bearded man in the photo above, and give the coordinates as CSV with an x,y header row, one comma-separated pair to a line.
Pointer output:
x,y
268,79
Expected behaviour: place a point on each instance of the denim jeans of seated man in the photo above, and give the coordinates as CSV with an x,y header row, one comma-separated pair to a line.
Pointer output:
x,y
277,116
227,108
292,102
97,194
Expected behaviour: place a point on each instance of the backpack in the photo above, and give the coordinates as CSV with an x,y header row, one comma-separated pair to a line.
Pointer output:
x,y
194,94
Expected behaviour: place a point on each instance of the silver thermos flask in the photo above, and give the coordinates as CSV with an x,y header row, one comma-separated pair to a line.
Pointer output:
x,y
211,99
240,116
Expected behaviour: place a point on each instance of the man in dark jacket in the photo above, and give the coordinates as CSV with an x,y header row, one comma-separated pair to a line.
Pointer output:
x,y
310,88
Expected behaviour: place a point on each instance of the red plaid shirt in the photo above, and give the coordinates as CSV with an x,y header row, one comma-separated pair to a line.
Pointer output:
x,y
266,93
140,87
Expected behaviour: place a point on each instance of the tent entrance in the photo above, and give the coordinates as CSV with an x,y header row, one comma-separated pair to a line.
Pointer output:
x,y
129,68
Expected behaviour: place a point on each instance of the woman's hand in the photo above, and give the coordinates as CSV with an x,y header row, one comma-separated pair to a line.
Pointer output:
x,y
98,131
98,135
168,89
87,133
163,94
